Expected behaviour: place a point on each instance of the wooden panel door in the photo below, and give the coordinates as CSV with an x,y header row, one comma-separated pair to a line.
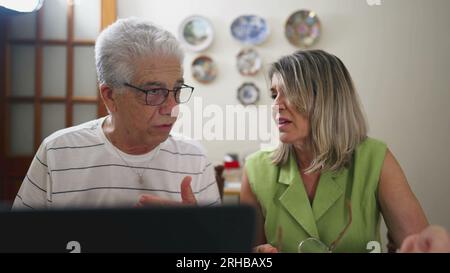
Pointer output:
x,y
49,80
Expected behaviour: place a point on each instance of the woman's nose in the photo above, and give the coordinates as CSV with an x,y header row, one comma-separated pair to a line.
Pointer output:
x,y
279,103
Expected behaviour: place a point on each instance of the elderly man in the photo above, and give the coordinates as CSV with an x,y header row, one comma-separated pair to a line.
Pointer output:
x,y
127,158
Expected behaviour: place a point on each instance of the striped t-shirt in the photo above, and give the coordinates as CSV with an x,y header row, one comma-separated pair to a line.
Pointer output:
x,y
79,167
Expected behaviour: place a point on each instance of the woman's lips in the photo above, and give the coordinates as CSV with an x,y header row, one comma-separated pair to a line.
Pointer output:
x,y
283,122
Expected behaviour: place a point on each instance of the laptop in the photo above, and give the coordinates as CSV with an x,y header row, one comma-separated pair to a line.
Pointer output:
x,y
189,229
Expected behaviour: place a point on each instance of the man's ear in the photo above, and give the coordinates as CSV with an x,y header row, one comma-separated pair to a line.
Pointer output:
x,y
107,94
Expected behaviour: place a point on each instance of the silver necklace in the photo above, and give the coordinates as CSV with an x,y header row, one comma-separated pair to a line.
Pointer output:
x,y
139,174
116,150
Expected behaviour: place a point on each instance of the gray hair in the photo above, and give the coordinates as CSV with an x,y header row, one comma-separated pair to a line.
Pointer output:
x,y
120,44
319,86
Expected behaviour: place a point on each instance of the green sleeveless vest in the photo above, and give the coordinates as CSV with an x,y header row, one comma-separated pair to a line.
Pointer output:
x,y
284,202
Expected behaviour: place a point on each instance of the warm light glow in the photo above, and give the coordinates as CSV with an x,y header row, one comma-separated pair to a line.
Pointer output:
x,y
22,5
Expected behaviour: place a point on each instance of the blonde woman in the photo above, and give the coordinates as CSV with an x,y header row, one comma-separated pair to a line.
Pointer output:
x,y
324,188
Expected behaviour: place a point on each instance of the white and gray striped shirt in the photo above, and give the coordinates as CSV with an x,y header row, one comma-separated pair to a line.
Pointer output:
x,y
79,167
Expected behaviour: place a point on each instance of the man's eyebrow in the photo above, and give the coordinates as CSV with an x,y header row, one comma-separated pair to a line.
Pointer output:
x,y
154,83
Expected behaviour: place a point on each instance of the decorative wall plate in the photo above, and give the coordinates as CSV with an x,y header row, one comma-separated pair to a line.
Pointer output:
x,y
248,62
250,29
302,28
248,93
203,69
196,33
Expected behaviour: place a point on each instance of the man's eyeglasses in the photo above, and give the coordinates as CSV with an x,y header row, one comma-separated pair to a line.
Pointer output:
x,y
314,245
158,96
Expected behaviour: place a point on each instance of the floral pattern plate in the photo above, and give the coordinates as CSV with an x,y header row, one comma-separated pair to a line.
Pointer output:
x,y
204,69
302,28
248,62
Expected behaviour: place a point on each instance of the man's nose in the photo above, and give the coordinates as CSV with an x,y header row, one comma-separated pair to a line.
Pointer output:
x,y
168,106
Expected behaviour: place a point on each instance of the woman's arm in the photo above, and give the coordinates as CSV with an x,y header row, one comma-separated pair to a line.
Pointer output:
x,y
247,197
400,208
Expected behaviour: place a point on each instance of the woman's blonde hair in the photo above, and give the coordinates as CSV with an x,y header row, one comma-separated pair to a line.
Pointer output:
x,y
319,86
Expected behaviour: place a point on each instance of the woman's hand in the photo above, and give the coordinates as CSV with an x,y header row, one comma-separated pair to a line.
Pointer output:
x,y
433,239
265,248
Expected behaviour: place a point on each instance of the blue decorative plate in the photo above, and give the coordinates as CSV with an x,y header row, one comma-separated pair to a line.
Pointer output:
x,y
203,69
302,28
248,93
196,33
250,29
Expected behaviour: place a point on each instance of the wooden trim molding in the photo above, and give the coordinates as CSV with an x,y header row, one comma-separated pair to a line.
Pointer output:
x,y
109,13
3,62
108,16
69,64
38,81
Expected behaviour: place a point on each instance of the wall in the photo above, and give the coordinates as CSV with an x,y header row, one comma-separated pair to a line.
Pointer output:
x,y
398,54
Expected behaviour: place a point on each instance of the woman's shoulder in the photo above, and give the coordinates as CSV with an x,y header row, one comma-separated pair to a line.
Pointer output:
x,y
261,157
371,152
261,172
371,144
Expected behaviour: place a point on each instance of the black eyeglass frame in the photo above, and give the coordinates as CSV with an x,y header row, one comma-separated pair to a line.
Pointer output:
x,y
165,94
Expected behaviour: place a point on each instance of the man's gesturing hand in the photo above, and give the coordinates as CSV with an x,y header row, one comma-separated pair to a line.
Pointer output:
x,y
187,196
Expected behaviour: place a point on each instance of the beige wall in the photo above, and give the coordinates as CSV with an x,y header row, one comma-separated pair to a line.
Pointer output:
x,y
398,54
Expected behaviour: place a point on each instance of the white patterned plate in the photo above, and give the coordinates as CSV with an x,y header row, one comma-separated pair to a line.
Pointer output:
x,y
196,33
